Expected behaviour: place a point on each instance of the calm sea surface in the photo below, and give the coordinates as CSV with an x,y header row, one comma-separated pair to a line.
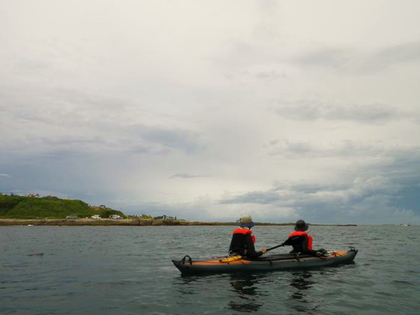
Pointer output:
x,y
128,270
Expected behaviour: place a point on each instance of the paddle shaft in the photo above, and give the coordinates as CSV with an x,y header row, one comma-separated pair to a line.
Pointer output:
x,y
275,247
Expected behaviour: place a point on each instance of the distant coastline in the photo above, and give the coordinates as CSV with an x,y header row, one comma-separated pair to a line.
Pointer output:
x,y
133,222
33,209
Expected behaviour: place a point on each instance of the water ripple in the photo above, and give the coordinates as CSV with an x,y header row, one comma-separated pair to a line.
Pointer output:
x,y
127,270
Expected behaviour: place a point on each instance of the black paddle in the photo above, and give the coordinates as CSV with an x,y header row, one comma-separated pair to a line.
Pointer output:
x,y
274,247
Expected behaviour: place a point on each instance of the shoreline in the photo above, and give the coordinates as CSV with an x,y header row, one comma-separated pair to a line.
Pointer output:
x,y
133,222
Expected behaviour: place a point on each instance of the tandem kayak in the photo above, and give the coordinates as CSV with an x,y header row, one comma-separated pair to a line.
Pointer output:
x,y
268,263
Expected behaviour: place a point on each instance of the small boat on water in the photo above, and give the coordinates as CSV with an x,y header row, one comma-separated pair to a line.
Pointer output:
x,y
268,263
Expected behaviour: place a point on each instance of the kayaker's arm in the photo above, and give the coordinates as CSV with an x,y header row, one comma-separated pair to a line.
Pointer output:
x,y
305,249
250,248
296,242
300,245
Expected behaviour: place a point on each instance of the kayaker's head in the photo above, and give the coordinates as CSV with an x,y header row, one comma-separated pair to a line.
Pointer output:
x,y
245,221
301,225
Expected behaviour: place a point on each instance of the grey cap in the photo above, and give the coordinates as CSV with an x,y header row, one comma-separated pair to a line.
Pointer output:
x,y
301,225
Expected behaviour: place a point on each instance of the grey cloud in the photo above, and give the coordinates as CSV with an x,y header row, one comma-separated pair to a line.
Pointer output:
x,y
72,140
186,176
388,190
242,55
402,160
4,175
31,65
256,197
38,146
317,110
325,57
86,122
342,149
270,76
263,76
352,61
393,55
362,200
288,149
407,197
144,149
74,144
309,187
55,106
144,140
175,138
139,140
404,165
63,107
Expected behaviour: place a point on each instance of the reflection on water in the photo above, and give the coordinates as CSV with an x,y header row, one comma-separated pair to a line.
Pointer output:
x,y
108,270
301,282
246,288
250,292
254,293
300,300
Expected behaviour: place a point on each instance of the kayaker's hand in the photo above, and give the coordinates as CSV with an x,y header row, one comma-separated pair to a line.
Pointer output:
x,y
263,250
321,253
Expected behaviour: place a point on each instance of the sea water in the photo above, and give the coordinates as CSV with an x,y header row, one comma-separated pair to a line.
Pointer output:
x,y
128,270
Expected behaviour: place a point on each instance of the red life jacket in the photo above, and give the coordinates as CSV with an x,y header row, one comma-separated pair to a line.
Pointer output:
x,y
245,232
301,233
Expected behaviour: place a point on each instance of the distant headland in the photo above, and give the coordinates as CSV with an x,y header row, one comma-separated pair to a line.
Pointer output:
x,y
50,210
133,222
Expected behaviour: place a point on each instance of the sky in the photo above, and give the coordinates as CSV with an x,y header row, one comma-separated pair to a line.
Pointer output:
x,y
207,110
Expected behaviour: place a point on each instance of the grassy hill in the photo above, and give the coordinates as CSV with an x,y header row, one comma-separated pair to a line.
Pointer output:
x,y
20,207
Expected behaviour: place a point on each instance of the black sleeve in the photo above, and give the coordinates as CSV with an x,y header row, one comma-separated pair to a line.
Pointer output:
x,y
300,244
290,241
237,244
251,248
305,249
297,242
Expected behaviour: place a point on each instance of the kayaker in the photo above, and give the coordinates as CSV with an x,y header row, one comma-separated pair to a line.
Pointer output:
x,y
302,241
243,240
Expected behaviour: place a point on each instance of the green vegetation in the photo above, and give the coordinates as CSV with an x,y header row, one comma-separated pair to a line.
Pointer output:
x,y
20,207
146,217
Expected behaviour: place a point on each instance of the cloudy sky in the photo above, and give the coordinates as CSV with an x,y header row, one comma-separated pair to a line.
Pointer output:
x,y
210,109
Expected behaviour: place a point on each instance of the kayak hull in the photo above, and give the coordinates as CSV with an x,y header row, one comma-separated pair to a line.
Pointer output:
x,y
269,263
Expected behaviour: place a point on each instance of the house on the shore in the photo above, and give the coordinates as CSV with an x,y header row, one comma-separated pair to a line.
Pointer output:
x,y
33,195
